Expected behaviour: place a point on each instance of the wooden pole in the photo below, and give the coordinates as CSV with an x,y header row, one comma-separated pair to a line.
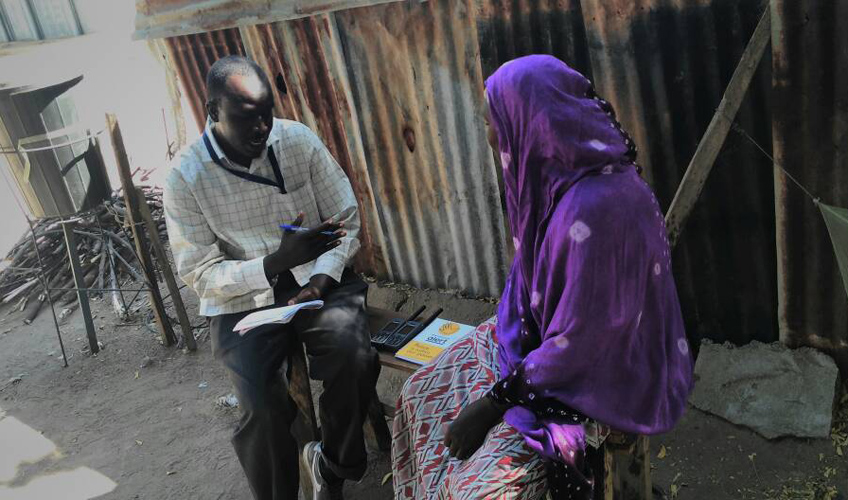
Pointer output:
x,y
702,162
135,219
305,427
627,469
162,259
79,283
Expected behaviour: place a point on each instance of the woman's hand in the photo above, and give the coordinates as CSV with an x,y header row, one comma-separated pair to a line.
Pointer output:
x,y
466,434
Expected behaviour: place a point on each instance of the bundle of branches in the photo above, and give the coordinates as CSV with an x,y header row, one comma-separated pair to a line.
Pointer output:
x,y
105,248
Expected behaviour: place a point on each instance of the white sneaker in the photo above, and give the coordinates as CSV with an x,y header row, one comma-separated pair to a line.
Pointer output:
x,y
321,490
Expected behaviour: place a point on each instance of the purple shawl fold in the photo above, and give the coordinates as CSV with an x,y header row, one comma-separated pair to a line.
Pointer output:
x,y
589,315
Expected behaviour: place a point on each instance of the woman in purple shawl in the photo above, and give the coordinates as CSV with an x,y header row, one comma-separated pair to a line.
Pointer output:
x,y
589,328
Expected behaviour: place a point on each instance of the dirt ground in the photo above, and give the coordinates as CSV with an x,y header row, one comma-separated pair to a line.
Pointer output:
x,y
140,421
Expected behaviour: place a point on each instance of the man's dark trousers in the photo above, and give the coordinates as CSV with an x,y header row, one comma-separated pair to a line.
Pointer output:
x,y
338,346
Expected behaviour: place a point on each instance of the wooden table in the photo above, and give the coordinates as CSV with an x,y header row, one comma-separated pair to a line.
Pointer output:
x,y
389,360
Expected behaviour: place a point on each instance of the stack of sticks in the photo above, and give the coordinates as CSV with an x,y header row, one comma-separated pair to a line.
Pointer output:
x,y
106,252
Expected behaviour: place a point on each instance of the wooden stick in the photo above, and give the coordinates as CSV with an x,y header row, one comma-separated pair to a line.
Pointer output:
x,y
82,294
11,286
88,277
130,196
36,305
67,311
710,145
102,267
33,307
117,300
173,288
67,282
31,297
21,289
627,470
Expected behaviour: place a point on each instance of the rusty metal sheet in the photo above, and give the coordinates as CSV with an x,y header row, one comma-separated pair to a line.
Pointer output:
x,y
292,55
810,67
416,80
193,55
168,18
396,92
302,57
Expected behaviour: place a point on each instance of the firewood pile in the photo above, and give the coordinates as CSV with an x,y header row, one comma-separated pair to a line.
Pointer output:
x,y
106,252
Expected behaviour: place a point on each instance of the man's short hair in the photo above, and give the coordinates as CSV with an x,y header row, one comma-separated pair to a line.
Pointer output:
x,y
223,69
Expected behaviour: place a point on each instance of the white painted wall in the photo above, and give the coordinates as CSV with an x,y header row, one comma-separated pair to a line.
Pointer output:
x,y
120,76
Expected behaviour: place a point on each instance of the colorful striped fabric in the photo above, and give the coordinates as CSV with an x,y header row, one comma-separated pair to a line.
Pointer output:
x,y
504,468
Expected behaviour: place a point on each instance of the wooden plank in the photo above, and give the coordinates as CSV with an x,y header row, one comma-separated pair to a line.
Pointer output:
x,y
702,162
391,361
162,259
301,391
377,430
166,333
154,21
79,284
305,428
627,469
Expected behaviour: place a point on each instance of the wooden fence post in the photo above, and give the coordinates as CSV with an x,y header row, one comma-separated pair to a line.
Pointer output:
x,y
162,258
133,215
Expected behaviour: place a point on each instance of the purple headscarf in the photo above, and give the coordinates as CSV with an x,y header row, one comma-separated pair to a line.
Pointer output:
x,y
589,316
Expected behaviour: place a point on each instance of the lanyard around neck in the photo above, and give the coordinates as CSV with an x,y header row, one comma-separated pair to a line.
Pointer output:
x,y
275,166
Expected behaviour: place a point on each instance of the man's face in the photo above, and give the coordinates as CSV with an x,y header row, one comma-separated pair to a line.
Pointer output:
x,y
244,115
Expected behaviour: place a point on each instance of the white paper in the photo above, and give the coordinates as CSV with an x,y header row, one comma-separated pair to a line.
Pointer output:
x,y
277,315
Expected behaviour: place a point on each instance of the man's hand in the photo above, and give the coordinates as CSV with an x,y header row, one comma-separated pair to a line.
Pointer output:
x,y
318,285
302,247
467,433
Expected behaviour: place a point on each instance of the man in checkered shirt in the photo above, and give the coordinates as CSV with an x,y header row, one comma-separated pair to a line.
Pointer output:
x,y
224,202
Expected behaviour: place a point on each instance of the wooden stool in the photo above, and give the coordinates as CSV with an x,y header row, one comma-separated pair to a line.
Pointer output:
x,y
624,463
622,466
627,468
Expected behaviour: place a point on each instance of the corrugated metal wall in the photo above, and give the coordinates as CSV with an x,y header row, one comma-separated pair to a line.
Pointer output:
x,y
811,143
416,80
193,55
396,91
303,58
423,173
292,54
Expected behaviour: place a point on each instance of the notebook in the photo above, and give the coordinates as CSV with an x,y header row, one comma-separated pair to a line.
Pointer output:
x,y
276,315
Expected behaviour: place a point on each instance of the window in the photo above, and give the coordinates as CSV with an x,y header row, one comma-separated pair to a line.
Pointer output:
x,y
26,20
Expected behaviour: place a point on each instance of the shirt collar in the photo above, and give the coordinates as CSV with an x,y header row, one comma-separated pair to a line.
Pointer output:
x,y
216,149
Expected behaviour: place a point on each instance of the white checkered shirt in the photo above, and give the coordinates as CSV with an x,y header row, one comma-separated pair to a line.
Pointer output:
x,y
221,226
